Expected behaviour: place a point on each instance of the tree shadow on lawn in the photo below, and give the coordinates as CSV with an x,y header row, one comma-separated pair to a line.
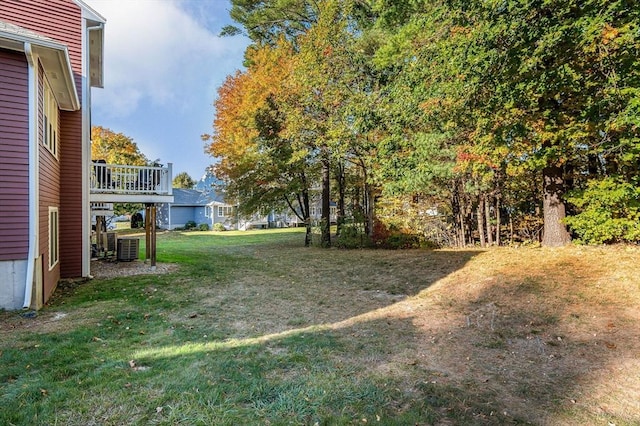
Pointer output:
x,y
512,348
288,289
337,374
556,341
362,370
106,360
507,344
290,285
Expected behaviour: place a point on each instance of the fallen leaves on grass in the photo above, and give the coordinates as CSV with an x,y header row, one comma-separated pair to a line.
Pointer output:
x,y
135,367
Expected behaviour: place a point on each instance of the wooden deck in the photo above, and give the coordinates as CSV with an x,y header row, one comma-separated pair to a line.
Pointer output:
x,y
115,183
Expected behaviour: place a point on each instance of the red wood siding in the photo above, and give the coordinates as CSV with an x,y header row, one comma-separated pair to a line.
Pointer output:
x,y
14,156
56,19
60,20
48,196
71,198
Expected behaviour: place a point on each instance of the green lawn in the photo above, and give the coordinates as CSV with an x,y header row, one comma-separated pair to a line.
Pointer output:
x,y
253,328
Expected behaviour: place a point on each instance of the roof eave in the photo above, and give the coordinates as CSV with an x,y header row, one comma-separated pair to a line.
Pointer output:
x,y
55,61
95,25
57,67
96,56
90,13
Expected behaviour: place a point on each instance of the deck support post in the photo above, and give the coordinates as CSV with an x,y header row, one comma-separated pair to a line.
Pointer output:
x,y
150,233
147,231
100,250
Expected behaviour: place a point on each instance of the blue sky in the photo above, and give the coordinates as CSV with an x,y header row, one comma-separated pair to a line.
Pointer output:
x,y
163,63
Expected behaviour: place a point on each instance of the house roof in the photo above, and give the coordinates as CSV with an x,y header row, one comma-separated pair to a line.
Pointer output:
x,y
54,57
193,197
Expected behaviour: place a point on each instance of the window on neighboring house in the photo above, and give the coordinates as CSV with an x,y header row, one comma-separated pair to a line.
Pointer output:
x,y
313,211
51,119
225,211
54,251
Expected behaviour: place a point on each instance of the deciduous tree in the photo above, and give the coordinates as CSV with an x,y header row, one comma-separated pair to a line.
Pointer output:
x,y
260,165
490,110
115,148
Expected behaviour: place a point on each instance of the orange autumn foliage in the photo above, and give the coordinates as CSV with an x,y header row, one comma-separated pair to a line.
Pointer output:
x,y
239,99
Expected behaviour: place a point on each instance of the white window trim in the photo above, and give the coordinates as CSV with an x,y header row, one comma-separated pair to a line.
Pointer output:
x,y
54,237
51,121
225,211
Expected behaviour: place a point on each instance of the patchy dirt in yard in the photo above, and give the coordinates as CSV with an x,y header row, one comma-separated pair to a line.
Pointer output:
x,y
113,269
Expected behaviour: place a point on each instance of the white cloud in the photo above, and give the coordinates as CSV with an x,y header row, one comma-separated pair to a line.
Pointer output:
x,y
163,63
155,54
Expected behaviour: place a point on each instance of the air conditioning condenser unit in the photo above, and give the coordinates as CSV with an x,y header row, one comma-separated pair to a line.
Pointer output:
x,y
127,249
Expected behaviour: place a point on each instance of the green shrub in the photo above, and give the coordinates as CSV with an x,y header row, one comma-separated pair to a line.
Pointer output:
x,y
203,227
609,212
190,225
352,237
391,237
218,227
401,241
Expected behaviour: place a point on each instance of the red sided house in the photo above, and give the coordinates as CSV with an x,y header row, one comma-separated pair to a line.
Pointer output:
x,y
51,54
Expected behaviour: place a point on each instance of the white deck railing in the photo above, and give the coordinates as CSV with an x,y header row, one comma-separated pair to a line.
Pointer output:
x,y
101,207
120,179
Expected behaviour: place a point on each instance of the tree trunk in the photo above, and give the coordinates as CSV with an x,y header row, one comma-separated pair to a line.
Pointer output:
x,y
341,196
510,228
305,210
325,219
369,210
469,220
367,202
307,217
555,231
463,232
480,217
458,215
365,210
487,214
498,220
